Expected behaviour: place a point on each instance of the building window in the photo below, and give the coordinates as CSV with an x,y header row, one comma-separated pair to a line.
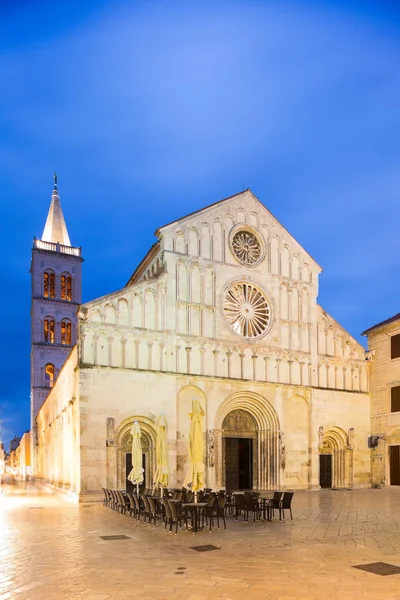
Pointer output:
x,y
395,346
66,287
395,398
49,375
49,328
49,284
66,332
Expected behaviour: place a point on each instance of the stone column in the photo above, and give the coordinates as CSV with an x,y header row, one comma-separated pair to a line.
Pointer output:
x,y
123,357
111,466
266,360
188,350
228,356
254,357
215,352
202,351
137,342
109,339
241,365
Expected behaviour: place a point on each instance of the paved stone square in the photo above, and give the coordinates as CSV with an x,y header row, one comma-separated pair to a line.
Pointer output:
x,y
51,549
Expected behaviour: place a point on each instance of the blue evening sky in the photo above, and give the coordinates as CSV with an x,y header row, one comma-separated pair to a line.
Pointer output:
x,y
149,110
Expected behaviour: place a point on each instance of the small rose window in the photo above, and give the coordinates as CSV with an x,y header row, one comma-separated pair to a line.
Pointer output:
x,y
246,247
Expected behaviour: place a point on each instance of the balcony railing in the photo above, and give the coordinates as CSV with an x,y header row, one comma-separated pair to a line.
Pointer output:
x,y
50,246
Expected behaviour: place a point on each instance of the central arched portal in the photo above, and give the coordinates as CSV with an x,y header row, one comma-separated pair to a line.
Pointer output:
x,y
239,450
247,444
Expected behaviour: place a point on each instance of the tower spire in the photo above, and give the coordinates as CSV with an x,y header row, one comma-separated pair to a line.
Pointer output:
x,y
55,230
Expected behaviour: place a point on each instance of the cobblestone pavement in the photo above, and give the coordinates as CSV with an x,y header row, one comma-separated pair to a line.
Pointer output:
x,y
51,549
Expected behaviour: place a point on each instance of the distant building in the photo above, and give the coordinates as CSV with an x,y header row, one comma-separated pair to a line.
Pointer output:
x,y
24,466
223,310
14,443
384,360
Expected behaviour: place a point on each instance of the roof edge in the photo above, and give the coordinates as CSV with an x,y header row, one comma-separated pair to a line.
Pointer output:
x,y
382,324
143,264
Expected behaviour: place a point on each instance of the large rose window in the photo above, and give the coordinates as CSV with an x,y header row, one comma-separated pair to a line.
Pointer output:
x,y
246,310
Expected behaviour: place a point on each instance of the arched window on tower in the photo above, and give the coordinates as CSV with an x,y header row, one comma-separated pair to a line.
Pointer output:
x,y
49,373
49,330
49,284
66,338
66,287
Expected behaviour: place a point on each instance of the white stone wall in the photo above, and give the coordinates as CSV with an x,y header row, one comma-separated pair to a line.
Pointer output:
x,y
58,431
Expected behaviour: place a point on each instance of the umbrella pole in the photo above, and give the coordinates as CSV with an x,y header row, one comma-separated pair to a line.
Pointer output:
x,y
195,497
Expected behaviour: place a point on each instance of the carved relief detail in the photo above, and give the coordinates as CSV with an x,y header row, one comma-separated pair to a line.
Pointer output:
x,y
239,420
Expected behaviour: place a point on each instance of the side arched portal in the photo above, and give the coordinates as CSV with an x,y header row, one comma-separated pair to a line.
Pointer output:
x,y
336,459
251,420
124,448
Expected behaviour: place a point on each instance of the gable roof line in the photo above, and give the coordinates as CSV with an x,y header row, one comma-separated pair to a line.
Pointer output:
x,y
158,230
382,323
201,210
341,327
143,264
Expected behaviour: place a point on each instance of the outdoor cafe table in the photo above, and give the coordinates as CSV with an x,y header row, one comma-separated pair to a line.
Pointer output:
x,y
195,508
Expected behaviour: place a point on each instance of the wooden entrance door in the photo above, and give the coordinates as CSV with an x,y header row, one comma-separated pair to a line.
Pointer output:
x,y
394,465
238,463
128,468
325,470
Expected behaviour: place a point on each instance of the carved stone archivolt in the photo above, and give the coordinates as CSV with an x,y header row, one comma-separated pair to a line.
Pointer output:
x,y
239,421
126,445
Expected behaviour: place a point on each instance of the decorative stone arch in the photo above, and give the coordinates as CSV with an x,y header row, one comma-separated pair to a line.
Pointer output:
x,y
123,440
256,418
336,442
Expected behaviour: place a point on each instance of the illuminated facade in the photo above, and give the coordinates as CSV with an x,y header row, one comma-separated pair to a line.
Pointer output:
x,y
223,309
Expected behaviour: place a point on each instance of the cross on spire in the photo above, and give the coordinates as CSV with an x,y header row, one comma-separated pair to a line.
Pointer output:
x,y
55,229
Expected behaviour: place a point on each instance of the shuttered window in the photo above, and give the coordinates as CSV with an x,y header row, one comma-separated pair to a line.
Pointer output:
x,y
395,399
395,346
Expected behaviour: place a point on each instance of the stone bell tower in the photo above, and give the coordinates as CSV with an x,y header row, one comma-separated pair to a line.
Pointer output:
x,y
56,274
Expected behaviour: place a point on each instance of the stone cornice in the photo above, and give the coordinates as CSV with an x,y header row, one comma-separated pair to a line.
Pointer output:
x,y
56,301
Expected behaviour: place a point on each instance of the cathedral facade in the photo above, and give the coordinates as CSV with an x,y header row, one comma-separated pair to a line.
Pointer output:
x,y
223,309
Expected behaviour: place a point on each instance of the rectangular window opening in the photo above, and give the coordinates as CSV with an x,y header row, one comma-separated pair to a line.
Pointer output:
x,y
395,398
395,346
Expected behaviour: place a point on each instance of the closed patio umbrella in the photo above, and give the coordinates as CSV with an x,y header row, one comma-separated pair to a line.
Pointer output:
x,y
162,469
195,473
136,474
